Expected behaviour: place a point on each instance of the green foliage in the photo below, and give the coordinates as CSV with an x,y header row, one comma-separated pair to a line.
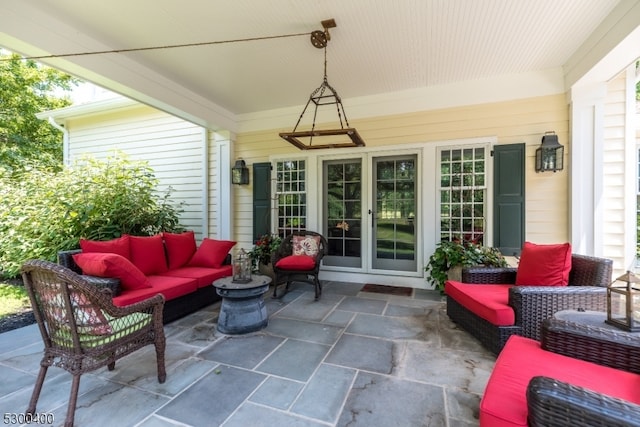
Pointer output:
x,y
264,247
13,299
457,253
45,212
28,88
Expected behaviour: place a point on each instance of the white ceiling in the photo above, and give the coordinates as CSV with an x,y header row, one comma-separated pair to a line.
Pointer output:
x,y
379,46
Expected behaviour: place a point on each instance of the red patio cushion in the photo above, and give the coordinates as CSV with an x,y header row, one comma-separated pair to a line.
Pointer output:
x,y
204,276
180,248
118,246
544,265
491,302
297,262
147,253
211,253
504,401
170,287
112,265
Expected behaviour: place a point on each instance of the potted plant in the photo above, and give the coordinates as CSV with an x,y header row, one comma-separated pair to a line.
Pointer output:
x,y
452,256
261,253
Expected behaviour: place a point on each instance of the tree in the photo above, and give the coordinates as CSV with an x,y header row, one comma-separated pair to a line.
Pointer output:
x,y
27,88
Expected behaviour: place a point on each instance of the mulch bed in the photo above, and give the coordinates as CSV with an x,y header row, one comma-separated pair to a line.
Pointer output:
x,y
15,321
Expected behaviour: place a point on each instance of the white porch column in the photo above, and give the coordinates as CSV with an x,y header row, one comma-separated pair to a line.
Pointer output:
x,y
586,169
630,171
224,202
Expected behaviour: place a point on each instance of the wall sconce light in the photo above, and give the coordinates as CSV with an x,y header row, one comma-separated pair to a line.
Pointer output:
x,y
240,173
623,303
550,154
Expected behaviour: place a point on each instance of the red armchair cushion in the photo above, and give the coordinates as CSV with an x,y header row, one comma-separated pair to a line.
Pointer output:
x,y
504,401
147,253
306,245
211,253
180,248
491,302
112,265
118,246
544,265
297,262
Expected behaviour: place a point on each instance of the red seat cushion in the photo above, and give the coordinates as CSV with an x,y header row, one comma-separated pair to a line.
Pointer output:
x,y
170,287
204,276
490,302
211,253
544,265
147,253
112,265
297,262
504,401
180,248
118,246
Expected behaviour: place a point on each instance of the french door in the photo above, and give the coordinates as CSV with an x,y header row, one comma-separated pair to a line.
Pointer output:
x,y
385,216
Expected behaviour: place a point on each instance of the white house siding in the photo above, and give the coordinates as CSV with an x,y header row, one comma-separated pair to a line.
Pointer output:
x,y
172,146
614,165
520,121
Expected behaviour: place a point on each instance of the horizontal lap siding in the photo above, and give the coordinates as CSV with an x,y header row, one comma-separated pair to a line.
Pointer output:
x,y
171,146
517,121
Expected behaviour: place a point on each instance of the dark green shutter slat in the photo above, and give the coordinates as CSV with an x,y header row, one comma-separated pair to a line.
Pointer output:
x,y
261,199
509,198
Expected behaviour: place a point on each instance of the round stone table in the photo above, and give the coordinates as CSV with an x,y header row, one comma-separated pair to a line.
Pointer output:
x,y
242,309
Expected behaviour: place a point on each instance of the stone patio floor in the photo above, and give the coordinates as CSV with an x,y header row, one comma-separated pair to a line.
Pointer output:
x,y
350,359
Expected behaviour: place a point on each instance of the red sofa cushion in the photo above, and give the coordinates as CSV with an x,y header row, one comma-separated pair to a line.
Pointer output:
x,y
544,265
297,262
211,253
118,246
491,302
504,401
147,253
112,265
204,276
170,287
180,248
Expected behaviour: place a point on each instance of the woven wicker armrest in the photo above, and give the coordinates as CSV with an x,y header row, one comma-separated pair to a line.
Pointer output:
x,y
553,403
154,305
489,275
608,347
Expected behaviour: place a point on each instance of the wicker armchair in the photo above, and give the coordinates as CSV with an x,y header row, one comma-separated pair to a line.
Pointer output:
x,y
588,280
553,403
82,330
288,275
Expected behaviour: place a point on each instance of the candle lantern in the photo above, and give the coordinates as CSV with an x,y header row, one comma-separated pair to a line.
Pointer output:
x,y
241,268
623,302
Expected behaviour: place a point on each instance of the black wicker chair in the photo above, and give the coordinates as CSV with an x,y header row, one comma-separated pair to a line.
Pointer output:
x,y
553,403
81,328
588,280
283,275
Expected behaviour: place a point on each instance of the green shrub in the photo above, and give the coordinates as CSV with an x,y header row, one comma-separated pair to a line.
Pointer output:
x,y
44,212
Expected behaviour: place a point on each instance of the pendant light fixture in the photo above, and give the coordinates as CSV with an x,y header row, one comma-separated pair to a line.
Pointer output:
x,y
324,95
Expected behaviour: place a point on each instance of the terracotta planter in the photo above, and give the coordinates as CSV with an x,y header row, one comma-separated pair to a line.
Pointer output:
x,y
455,273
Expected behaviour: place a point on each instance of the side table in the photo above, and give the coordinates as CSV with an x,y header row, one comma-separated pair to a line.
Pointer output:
x,y
242,309
591,339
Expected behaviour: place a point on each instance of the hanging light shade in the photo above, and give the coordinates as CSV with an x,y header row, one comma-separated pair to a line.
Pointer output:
x,y
324,95
550,154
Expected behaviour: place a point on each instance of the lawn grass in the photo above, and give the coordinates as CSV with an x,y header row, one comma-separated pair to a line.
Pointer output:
x,y
13,299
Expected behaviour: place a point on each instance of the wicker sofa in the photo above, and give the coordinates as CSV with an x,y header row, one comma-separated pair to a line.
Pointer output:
x,y
569,379
530,305
173,271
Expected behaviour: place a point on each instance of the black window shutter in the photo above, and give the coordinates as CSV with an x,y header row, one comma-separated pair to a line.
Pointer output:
x,y
509,198
261,199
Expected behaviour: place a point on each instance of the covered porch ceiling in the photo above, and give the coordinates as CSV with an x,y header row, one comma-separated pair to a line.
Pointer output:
x,y
379,47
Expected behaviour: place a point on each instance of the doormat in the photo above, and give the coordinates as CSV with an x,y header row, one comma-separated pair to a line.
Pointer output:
x,y
384,289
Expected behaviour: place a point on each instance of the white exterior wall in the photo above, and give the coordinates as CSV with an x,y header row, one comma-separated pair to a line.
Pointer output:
x,y
172,147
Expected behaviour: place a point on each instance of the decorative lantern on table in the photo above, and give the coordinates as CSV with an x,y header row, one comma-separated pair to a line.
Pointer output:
x,y
241,268
623,302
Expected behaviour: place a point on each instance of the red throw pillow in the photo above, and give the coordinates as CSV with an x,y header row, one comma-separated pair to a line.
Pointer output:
x,y
112,265
211,253
297,262
544,265
147,253
180,248
118,246
306,245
